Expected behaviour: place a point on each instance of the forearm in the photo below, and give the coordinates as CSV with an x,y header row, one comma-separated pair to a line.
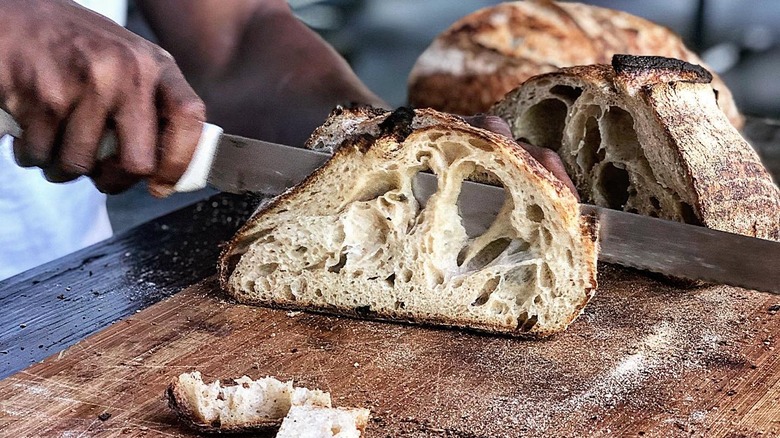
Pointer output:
x,y
261,71
201,35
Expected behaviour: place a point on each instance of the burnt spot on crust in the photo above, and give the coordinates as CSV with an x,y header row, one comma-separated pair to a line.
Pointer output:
x,y
398,124
637,65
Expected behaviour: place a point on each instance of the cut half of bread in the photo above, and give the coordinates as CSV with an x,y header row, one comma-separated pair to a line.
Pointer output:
x,y
484,55
320,422
358,237
242,405
645,135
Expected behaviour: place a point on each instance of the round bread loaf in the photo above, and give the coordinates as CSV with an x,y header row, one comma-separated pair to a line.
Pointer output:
x,y
484,55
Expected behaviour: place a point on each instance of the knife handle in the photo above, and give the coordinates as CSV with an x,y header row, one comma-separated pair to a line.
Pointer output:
x,y
194,178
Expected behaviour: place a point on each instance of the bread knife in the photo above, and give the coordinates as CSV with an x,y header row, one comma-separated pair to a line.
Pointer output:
x,y
241,165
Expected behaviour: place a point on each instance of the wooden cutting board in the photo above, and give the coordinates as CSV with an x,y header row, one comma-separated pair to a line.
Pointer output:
x,y
645,359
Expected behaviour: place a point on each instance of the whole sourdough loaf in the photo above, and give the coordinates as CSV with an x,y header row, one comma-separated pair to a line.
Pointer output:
x,y
478,59
645,135
358,237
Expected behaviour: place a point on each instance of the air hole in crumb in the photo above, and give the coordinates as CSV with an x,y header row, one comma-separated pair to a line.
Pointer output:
x,y
375,186
655,203
318,293
538,300
480,144
543,123
406,275
526,324
338,266
534,212
546,236
390,280
287,292
267,269
335,430
489,287
688,214
571,93
399,305
301,249
488,204
422,156
546,277
614,186
423,187
487,254
591,151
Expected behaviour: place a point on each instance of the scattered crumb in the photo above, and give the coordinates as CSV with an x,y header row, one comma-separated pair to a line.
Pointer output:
x,y
293,314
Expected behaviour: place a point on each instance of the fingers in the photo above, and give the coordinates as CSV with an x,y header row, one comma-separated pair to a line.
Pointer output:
x,y
37,143
136,131
546,157
182,114
110,178
491,123
80,141
552,162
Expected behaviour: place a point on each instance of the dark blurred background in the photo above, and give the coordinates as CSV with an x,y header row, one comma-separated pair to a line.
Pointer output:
x,y
382,39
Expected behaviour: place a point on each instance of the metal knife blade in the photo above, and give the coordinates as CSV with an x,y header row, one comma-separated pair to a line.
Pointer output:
x,y
237,164
687,251
626,239
244,165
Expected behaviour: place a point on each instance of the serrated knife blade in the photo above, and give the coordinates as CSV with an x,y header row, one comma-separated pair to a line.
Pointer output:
x,y
240,165
627,239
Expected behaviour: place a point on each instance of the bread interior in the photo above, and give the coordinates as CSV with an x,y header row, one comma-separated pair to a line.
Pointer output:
x,y
602,151
363,237
243,402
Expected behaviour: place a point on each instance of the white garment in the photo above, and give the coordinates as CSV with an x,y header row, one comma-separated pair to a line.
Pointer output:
x,y
41,221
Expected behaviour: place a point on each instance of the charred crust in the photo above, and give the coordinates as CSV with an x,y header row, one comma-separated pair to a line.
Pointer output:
x,y
398,124
632,65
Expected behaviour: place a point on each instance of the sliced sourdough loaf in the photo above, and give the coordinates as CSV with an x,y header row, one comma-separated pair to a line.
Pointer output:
x,y
243,405
484,55
320,422
645,135
357,238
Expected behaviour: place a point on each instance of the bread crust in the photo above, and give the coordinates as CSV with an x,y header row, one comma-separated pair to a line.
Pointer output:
x,y
673,102
391,126
481,57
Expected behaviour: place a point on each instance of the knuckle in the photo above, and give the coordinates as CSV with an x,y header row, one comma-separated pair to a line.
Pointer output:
x,y
138,168
192,108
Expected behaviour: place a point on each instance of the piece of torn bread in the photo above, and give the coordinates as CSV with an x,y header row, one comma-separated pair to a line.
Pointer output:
x,y
482,56
320,422
242,405
645,135
357,238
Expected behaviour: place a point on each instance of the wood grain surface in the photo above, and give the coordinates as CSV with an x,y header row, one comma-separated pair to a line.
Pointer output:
x,y
645,359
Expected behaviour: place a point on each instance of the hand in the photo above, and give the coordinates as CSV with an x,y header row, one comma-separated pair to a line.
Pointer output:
x,y
546,157
69,74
